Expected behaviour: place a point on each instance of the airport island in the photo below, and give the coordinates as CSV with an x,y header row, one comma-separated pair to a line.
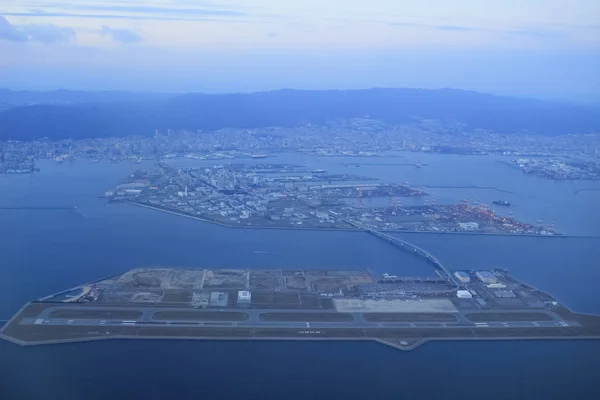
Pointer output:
x,y
298,304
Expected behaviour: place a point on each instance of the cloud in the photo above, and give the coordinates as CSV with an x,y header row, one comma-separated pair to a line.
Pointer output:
x,y
155,10
34,33
123,36
456,28
182,17
125,12
533,32
9,32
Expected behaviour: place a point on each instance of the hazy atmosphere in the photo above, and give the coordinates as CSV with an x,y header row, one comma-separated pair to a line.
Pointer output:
x,y
312,199
534,48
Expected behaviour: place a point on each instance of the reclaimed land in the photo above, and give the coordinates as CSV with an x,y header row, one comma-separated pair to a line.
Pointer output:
x,y
34,334
402,338
351,229
212,221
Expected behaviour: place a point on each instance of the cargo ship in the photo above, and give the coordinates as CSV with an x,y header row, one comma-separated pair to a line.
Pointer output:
x,y
501,203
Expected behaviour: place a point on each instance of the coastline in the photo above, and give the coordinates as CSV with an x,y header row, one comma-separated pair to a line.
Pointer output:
x,y
408,347
353,229
244,227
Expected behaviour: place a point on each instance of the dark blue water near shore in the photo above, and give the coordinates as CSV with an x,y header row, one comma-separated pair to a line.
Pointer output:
x,y
46,251
301,370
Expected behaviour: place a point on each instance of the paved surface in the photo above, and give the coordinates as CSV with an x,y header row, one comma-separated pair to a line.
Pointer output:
x,y
254,321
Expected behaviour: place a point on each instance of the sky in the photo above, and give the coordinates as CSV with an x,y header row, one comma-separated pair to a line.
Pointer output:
x,y
534,48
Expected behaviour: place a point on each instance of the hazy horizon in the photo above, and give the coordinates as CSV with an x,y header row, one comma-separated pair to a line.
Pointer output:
x,y
540,49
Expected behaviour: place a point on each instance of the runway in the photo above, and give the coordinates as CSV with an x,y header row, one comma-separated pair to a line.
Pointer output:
x,y
154,316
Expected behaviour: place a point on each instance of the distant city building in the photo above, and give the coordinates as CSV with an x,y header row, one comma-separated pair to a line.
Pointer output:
x,y
468,226
486,277
462,276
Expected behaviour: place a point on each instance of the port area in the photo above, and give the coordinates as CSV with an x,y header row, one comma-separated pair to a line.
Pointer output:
x,y
402,312
557,168
299,197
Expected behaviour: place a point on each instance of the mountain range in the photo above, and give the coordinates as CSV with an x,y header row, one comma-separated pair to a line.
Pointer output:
x,y
67,114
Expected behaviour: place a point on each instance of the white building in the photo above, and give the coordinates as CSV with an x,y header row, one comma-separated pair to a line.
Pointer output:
x,y
464,294
468,226
462,276
244,297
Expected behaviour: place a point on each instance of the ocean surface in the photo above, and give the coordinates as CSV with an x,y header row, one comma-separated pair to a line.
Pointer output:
x,y
44,251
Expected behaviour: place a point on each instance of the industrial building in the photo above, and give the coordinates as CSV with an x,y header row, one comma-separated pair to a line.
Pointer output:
x,y
462,276
486,277
219,299
244,297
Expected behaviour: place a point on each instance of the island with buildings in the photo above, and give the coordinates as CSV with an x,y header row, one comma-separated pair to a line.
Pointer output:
x,y
558,169
299,304
297,196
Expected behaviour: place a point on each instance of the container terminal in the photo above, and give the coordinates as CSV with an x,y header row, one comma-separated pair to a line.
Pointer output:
x,y
298,304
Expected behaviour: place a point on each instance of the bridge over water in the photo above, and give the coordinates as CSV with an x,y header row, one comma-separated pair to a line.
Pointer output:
x,y
404,245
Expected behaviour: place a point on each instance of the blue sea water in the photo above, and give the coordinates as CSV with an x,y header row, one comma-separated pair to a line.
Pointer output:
x,y
42,252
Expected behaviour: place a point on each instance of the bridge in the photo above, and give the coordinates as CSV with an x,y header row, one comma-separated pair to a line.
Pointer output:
x,y
415,250
404,245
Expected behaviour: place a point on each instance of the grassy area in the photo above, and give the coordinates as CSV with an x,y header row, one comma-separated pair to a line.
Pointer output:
x,y
200,316
306,317
507,316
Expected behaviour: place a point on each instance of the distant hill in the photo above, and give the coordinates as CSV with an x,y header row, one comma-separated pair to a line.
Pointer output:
x,y
130,115
13,98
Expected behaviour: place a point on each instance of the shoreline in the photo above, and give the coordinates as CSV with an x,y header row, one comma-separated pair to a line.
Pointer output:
x,y
352,229
243,227
409,347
